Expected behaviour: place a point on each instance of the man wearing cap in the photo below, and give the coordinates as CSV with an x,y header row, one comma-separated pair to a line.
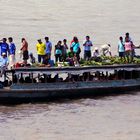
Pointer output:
x,y
41,47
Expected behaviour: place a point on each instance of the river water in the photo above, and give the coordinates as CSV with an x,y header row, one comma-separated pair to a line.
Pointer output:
x,y
108,118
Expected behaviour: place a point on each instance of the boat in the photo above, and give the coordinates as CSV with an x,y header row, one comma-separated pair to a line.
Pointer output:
x,y
37,84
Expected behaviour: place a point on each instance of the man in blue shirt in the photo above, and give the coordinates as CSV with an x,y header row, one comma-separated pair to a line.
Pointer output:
x,y
87,48
12,51
48,47
4,47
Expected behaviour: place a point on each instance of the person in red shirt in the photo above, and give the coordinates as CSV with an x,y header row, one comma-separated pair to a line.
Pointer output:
x,y
24,49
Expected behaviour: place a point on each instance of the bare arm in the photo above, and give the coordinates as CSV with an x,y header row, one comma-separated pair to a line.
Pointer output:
x,y
23,44
50,47
84,43
66,46
54,50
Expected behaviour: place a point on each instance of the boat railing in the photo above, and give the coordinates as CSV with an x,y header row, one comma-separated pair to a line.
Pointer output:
x,y
88,73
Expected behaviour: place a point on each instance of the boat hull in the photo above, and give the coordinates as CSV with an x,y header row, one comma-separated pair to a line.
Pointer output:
x,y
53,91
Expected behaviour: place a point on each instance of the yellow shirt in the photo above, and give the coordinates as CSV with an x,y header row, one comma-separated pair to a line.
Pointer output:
x,y
41,48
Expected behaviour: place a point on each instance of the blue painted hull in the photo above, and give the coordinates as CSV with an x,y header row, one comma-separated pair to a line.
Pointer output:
x,y
20,93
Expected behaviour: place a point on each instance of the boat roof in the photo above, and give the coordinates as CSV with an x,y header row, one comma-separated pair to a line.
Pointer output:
x,y
72,70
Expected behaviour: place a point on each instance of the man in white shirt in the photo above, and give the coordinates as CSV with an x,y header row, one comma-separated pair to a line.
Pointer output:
x,y
87,48
106,48
3,63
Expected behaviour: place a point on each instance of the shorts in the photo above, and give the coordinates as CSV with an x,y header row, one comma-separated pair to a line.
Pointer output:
x,y
121,54
48,55
25,55
133,53
128,53
12,59
87,54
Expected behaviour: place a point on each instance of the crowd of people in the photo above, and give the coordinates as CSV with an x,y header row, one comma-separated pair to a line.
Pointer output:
x,y
62,51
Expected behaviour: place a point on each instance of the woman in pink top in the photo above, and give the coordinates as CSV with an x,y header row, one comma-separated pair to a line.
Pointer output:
x,y
128,49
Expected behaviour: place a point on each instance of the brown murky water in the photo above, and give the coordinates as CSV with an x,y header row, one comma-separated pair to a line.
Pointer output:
x,y
109,118
103,20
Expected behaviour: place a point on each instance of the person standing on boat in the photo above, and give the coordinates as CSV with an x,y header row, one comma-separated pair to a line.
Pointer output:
x,y
87,48
128,37
58,51
4,47
41,48
132,45
24,49
128,49
12,51
76,47
3,63
64,51
48,47
121,49
72,41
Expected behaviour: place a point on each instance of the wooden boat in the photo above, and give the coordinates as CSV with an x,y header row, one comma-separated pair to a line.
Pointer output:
x,y
37,84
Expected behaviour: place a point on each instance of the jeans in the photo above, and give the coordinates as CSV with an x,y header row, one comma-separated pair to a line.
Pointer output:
x,y
40,58
87,55
58,57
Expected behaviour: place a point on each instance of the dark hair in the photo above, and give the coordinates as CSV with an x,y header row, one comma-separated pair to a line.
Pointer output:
x,y
39,40
65,40
75,39
59,41
121,38
71,48
109,45
87,36
10,38
127,34
22,39
46,38
4,39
